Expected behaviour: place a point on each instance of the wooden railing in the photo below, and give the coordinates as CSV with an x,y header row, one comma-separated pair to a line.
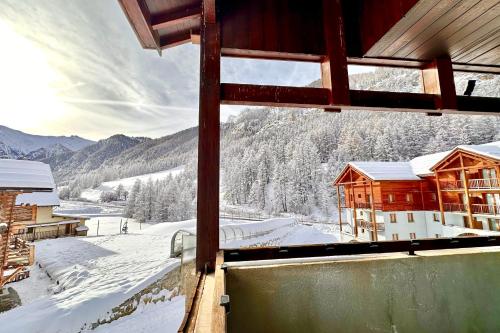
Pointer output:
x,y
484,209
454,207
488,183
42,235
367,205
476,208
447,185
484,183
369,225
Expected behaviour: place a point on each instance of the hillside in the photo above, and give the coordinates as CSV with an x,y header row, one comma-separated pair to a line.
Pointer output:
x,y
16,144
300,149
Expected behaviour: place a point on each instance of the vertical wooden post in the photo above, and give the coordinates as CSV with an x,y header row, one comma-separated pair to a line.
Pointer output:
x,y
467,195
334,72
440,198
207,240
354,214
374,216
339,208
437,79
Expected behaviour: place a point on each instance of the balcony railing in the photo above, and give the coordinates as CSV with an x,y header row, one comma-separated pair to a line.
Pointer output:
x,y
484,183
488,183
367,205
451,184
454,207
484,209
369,225
476,208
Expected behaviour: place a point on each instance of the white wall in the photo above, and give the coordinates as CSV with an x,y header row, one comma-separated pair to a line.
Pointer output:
x,y
423,227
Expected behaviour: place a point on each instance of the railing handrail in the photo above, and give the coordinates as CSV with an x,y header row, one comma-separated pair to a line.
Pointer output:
x,y
484,183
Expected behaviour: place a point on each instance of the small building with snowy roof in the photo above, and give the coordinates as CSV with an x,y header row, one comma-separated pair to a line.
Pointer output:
x,y
33,215
450,193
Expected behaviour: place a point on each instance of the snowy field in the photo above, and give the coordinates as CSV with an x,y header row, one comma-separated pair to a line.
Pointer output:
x,y
91,275
127,183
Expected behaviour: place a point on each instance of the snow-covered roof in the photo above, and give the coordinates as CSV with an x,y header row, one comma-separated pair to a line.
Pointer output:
x,y
491,150
419,166
19,174
38,198
386,170
82,228
422,165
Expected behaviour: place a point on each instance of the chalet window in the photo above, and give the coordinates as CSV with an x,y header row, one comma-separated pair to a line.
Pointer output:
x,y
413,235
390,197
359,195
393,217
395,237
435,217
410,218
437,235
409,197
361,213
433,197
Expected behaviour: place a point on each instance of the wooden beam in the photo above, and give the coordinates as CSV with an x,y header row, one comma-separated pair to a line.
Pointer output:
x,y
440,198
247,94
334,66
139,17
467,194
355,225
167,20
306,97
207,240
437,79
339,207
179,38
374,215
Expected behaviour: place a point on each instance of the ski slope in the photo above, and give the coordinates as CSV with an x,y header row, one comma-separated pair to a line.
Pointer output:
x,y
95,194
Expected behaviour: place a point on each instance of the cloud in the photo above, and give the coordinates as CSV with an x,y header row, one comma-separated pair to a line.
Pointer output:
x,y
107,83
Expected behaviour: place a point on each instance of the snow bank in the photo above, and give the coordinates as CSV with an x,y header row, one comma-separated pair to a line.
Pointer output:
x,y
91,276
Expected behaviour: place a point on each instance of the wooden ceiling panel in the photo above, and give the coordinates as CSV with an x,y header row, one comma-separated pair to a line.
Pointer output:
x,y
430,31
470,21
466,30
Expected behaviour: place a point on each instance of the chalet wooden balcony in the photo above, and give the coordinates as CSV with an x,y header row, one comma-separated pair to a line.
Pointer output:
x,y
473,184
476,208
451,185
454,207
367,205
369,225
485,209
489,183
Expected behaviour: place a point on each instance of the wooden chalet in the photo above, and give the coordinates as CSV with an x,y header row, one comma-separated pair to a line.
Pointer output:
x,y
433,36
15,253
408,200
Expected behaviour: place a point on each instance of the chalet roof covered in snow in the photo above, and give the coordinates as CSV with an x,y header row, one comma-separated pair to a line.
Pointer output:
x,y
25,175
491,150
419,166
38,198
386,170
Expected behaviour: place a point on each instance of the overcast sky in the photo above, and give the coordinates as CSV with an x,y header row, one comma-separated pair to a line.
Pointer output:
x,y
76,67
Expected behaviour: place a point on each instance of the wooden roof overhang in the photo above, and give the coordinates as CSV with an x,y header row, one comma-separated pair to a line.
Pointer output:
x,y
437,37
454,155
345,176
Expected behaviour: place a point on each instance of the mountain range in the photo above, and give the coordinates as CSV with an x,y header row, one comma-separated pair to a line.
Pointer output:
x,y
19,145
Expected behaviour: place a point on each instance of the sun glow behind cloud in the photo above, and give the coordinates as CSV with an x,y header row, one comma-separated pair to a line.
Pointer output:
x,y
28,84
